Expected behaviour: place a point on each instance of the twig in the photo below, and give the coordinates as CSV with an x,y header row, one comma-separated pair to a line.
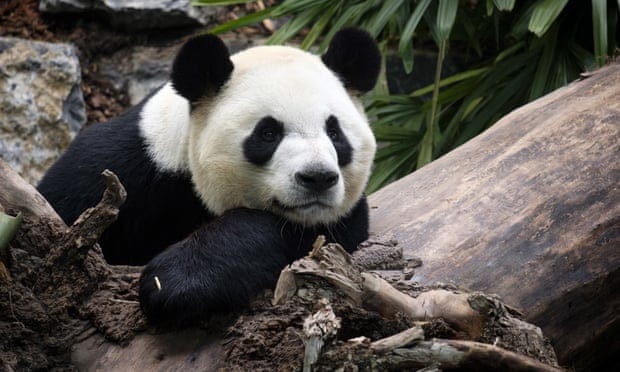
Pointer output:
x,y
398,340
89,226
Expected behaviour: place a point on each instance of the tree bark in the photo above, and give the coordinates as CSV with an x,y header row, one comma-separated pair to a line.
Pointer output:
x,y
529,210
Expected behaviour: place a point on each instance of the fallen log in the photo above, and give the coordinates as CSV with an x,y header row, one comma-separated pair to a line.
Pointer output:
x,y
529,210
533,221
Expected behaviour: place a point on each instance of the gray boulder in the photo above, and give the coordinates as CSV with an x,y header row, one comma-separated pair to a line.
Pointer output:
x,y
41,104
137,14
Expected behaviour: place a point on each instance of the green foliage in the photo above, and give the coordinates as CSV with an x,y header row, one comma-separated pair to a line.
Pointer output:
x,y
521,51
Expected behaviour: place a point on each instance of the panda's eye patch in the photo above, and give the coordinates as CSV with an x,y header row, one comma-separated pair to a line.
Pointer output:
x,y
264,140
339,140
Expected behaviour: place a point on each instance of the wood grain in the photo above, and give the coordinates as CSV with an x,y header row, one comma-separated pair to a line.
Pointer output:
x,y
529,210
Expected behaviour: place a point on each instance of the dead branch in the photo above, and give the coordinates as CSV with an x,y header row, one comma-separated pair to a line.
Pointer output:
x,y
54,269
475,314
398,340
333,264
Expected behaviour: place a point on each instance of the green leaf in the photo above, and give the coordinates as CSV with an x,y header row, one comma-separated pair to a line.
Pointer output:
x,y
490,8
509,52
9,226
583,58
446,13
397,149
599,22
539,82
407,57
292,27
319,26
242,21
426,150
520,27
384,171
350,16
407,33
471,106
450,80
383,16
504,5
544,14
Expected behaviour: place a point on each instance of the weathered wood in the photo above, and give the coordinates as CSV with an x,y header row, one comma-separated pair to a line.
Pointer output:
x,y
529,210
17,194
334,265
399,351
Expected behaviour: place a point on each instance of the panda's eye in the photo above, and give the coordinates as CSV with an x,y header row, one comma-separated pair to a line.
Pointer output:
x,y
332,128
269,135
333,134
259,146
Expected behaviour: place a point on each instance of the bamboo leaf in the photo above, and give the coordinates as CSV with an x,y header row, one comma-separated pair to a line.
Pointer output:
x,y
292,27
544,14
490,8
319,26
426,150
350,16
412,24
8,228
450,80
407,58
599,23
384,171
383,16
504,5
248,19
446,13
396,149
547,58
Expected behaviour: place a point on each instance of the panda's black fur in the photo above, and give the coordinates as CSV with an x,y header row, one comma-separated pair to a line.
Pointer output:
x,y
161,207
205,263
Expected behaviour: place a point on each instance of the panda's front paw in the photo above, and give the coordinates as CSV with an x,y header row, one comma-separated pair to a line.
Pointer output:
x,y
165,296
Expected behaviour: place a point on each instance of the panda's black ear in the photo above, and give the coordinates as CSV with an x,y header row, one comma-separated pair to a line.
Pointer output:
x,y
201,67
353,55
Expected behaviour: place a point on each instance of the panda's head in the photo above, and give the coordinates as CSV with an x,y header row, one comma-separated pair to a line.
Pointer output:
x,y
279,129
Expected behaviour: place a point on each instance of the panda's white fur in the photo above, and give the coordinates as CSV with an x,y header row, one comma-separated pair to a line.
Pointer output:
x,y
294,87
164,124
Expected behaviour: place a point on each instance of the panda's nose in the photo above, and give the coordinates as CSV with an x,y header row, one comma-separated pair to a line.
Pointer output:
x,y
316,180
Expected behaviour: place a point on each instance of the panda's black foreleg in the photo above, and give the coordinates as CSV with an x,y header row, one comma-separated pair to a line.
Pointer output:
x,y
218,268
224,264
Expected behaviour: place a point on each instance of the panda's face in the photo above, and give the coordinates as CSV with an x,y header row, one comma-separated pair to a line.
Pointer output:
x,y
283,135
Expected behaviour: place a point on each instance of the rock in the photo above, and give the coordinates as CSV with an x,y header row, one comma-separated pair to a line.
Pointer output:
x,y
136,14
41,104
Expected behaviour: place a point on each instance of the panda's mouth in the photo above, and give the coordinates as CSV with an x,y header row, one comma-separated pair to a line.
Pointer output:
x,y
286,207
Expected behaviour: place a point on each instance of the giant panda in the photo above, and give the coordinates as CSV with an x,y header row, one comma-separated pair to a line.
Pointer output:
x,y
231,169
